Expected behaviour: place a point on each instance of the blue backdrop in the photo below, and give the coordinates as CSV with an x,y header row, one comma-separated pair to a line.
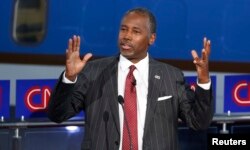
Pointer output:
x,y
182,24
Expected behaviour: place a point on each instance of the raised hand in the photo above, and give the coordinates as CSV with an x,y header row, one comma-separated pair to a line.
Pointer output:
x,y
74,64
202,66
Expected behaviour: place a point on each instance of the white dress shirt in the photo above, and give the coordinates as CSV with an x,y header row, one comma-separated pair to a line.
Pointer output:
x,y
141,77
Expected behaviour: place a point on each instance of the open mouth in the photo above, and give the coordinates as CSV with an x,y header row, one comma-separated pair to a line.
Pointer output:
x,y
126,46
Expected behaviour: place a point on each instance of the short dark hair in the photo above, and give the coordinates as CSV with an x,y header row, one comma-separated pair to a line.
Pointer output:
x,y
146,12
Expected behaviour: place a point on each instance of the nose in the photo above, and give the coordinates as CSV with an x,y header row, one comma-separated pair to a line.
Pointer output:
x,y
128,35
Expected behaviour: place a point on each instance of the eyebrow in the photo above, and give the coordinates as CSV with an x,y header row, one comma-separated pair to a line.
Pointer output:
x,y
135,27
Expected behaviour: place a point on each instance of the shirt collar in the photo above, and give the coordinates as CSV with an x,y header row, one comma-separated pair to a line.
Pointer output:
x,y
140,66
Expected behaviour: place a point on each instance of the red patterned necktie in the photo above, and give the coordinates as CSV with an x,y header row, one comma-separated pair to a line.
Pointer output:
x,y
130,142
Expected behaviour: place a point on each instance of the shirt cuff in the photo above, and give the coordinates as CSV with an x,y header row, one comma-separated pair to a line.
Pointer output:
x,y
67,81
205,86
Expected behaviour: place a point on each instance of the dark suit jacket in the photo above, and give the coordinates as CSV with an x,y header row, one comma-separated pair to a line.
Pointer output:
x,y
96,93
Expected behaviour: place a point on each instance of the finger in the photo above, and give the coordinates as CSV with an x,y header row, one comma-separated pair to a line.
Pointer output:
x,y
208,47
204,54
67,54
204,42
86,57
195,56
74,43
78,41
70,44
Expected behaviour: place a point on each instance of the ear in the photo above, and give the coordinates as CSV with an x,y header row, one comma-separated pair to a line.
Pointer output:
x,y
152,38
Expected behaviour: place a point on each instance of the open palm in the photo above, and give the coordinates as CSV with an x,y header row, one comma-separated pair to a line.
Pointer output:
x,y
74,64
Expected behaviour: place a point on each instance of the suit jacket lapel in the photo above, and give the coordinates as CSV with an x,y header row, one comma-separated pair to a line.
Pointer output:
x,y
154,80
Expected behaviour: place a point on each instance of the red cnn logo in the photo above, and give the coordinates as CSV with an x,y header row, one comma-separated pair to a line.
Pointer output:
x,y
43,93
237,97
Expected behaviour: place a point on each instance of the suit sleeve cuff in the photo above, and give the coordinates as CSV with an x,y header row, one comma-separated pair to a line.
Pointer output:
x,y
67,81
205,86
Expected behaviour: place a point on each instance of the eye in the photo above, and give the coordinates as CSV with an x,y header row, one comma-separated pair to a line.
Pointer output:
x,y
137,31
123,29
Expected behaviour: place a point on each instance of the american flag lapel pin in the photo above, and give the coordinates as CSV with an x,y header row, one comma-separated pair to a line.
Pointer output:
x,y
157,77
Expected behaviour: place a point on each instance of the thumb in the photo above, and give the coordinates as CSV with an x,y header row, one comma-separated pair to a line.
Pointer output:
x,y
86,57
195,56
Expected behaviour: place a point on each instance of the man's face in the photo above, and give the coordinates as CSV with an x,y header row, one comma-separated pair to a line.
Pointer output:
x,y
135,37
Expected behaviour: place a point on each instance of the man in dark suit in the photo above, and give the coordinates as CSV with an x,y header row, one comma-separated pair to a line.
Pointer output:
x,y
161,95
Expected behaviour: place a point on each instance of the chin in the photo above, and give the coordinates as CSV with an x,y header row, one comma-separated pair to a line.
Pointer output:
x,y
127,54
